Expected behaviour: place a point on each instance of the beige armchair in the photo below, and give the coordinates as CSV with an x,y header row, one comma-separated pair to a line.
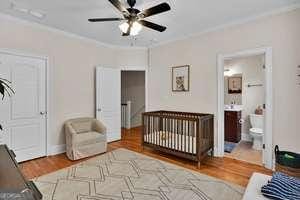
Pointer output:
x,y
85,137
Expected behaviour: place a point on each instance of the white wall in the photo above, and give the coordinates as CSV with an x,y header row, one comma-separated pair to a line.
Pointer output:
x,y
281,32
72,67
251,69
133,89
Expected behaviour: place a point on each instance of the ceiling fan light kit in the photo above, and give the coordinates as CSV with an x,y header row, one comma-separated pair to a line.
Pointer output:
x,y
135,18
135,29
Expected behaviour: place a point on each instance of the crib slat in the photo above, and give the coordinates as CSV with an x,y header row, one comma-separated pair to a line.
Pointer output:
x,y
157,129
184,138
173,135
193,138
152,129
166,130
157,132
181,125
149,131
164,127
177,135
168,134
160,131
189,137
148,128
172,132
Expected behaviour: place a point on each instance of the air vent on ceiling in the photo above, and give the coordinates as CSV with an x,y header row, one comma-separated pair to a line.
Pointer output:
x,y
31,12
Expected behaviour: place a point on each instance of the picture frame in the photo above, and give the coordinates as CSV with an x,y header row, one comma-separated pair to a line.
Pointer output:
x,y
235,85
181,78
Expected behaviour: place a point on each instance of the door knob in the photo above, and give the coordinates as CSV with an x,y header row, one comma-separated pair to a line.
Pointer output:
x,y
43,113
99,110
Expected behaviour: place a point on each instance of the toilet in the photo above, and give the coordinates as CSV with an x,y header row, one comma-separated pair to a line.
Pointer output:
x,y
257,130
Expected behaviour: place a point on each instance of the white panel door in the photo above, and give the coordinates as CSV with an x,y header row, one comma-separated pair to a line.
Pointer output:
x,y
23,116
108,103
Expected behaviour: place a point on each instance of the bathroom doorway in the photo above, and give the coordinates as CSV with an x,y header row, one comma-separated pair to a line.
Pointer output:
x,y
244,100
244,106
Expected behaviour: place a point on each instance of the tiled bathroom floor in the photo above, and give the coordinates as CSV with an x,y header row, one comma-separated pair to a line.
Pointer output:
x,y
243,151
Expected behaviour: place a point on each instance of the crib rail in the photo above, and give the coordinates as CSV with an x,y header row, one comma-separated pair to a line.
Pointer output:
x,y
188,135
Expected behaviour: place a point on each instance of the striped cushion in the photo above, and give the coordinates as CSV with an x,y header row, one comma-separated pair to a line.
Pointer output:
x,y
282,187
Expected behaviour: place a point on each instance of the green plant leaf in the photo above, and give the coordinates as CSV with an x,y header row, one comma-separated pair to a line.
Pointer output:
x,y
5,87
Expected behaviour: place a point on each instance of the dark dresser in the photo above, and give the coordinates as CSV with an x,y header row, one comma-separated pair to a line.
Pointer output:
x,y
13,185
233,127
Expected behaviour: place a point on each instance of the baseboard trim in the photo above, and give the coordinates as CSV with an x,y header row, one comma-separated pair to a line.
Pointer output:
x,y
246,137
58,149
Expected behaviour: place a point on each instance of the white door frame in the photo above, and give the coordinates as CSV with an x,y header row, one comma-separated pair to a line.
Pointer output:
x,y
267,51
48,113
144,69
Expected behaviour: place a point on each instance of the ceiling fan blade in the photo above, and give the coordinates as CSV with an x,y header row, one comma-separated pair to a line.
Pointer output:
x,y
153,25
120,7
105,19
155,10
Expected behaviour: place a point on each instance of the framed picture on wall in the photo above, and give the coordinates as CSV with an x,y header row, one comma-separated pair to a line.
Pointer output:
x,y
235,85
181,78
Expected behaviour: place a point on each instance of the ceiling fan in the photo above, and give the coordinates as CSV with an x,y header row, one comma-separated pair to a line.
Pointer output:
x,y
135,18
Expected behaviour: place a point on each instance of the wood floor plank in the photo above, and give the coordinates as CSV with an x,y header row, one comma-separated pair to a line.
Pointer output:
x,y
227,169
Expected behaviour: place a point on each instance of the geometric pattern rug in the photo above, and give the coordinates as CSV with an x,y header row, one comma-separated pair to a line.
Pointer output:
x,y
127,175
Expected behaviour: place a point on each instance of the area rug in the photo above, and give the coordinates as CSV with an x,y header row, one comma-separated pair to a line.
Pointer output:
x,y
123,174
229,146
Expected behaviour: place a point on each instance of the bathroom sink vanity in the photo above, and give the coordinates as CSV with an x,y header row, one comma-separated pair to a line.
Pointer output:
x,y
233,125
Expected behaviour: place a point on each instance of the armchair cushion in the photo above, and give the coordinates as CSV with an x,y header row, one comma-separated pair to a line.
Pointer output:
x,y
88,138
82,126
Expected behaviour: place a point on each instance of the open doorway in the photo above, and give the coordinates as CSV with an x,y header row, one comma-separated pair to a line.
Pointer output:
x,y
111,90
244,101
245,106
132,98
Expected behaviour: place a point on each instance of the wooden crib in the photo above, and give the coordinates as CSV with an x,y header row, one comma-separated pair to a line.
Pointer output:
x,y
187,135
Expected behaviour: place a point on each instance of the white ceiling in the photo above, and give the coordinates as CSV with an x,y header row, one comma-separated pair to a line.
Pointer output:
x,y
187,17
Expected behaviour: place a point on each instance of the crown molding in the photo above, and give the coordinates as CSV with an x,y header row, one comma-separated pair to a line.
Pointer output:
x,y
102,44
231,24
66,34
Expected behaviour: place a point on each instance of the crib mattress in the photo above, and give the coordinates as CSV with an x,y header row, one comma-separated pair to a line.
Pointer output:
x,y
171,140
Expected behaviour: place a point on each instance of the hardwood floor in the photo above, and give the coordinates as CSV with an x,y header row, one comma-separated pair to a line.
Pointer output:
x,y
227,169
